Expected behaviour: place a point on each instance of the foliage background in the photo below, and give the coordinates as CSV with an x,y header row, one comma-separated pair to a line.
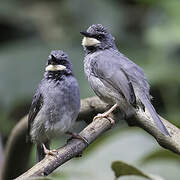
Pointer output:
x,y
147,31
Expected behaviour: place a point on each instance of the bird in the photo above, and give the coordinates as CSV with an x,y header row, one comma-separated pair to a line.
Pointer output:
x,y
114,78
55,104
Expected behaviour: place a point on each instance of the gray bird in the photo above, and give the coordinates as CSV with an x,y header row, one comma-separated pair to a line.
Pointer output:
x,y
55,105
114,78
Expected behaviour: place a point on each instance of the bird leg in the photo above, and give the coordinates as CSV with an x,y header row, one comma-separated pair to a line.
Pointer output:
x,y
49,152
106,114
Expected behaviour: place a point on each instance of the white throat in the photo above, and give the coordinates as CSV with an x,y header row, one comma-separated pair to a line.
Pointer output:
x,y
88,41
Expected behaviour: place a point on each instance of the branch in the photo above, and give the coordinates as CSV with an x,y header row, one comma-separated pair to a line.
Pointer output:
x,y
89,108
144,121
171,142
72,149
15,163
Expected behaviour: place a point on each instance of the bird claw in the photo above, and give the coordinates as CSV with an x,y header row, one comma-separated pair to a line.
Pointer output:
x,y
104,115
49,152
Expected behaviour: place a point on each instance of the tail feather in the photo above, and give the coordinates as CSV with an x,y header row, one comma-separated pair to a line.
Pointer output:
x,y
40,152
146,102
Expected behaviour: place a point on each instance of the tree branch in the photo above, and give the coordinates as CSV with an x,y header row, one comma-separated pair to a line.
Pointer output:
x,y
70,150
89,108
15,163
171,142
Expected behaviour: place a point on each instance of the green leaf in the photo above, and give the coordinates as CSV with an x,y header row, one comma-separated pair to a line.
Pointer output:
x,y
160,154
123,169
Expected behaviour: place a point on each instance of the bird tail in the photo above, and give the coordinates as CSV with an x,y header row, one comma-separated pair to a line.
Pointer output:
x,y
146,102
40,151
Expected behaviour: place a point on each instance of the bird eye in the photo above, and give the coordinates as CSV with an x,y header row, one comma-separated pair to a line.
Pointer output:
x,y
63,62
100,36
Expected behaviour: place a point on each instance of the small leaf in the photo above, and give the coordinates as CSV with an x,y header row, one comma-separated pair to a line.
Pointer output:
x,y
123,169
160,154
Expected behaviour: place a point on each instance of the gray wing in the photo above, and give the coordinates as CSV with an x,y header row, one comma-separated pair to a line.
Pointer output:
x,y
111,73
36,105
136,75
141,86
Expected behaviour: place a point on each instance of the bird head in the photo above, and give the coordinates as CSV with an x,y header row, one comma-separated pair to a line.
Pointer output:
x,y
97,37
58,61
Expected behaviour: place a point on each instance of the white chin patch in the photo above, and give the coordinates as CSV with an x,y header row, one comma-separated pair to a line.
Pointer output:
x,y
55,67
87,41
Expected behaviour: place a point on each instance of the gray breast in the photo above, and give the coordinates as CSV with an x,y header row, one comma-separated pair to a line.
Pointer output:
x,y
105,93
59,111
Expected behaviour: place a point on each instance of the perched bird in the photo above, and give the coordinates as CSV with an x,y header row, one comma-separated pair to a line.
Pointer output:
x,y
55,105
114,78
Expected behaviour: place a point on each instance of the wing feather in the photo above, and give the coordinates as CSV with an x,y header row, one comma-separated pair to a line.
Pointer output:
x,y
36,105
111,72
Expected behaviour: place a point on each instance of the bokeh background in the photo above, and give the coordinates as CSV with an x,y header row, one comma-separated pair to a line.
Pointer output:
x,y
147,31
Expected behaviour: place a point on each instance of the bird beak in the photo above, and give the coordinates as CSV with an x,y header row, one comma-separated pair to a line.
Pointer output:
x,y
52,67
85,33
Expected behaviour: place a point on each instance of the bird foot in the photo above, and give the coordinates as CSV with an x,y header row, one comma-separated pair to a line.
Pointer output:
x,y
77,136
49,152
104,115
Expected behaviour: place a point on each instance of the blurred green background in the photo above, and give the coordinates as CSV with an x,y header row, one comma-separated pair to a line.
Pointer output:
x,y
146,31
